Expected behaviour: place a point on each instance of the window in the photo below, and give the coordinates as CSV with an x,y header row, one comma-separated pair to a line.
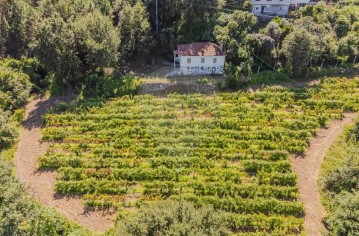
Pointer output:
x,y
189,60
203,60
214,60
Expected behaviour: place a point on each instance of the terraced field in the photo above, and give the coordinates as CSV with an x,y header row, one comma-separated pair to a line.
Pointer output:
x,y
230,150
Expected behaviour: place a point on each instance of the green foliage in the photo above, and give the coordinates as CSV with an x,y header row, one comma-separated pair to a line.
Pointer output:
x,y
340,178
8,130
134,30
97,39
28,66
20,215
231,32
174,218
268,77
56,88
15,88
344,220
299,49
16,24
110,86
345,178
202,81
69,49
55,48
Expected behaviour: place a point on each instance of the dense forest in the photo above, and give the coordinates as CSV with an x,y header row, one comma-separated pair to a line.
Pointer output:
x,y
68,46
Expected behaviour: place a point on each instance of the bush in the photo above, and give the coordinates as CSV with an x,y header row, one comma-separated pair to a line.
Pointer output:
x,y
96,85
20,215
203,81
269,77
29,66
174,218
345,219
15,88
8,130
55,88
345,178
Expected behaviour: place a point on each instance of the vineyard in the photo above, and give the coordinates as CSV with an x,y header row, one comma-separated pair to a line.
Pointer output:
x,y
230,150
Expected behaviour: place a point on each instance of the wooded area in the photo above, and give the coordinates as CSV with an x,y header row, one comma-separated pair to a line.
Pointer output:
x,y
70,39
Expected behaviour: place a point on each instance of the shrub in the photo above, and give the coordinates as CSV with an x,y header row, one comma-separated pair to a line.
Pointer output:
x,y
341,179
8,130
202,81
28,66
174,218
20,215
345,219
269,77
15,88
96,85
55,88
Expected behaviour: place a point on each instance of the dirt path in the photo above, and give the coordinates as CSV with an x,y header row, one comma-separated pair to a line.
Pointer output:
x,y
41,184
308,168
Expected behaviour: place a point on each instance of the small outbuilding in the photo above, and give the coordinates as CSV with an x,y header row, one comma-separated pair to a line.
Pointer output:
x,y
199,59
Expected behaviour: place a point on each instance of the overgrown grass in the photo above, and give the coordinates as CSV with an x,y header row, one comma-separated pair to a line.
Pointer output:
x,y
338,154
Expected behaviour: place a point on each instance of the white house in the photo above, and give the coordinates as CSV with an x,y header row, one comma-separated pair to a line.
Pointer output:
x,y
199,59
278,7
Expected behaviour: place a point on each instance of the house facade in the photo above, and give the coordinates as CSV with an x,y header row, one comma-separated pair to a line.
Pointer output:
x,y
199,59
278,7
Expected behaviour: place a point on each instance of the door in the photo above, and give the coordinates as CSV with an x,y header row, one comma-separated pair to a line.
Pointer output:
x,y
263,8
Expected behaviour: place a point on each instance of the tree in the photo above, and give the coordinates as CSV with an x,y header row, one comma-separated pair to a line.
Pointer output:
x,y
299,49
71,49
263,47
325,39
342,26
349,45
231,33
174,218
97,40
318,12
274,31
16,25
55,47
15,88
134,30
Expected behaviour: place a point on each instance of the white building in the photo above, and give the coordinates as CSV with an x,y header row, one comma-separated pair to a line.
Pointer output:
x,y
278,7
199,59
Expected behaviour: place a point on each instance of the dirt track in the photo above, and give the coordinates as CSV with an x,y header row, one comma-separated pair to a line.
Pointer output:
x,y
41,184
308,168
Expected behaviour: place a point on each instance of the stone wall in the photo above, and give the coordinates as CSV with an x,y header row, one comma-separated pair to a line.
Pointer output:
x,y
217,70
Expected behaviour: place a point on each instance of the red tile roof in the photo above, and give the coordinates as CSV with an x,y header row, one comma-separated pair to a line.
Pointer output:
x,y
200,49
